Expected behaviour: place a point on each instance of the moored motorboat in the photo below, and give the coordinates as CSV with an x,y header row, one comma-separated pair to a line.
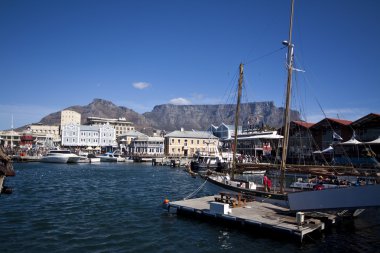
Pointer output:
x,y
206,162
111,157
60,156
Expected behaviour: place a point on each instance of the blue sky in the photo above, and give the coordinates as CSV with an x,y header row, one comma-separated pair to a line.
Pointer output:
x,y
140,53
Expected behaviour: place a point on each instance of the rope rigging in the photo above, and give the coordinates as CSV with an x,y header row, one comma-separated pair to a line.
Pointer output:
x,y
196,191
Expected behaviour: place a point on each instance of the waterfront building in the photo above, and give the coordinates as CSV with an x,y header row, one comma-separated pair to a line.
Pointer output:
x,y
125,139
44,134
256,144
300,147
129,135
188,143
224,131
367,128
325,130
10,138
70,117
121,125
147,145
74,135
27,140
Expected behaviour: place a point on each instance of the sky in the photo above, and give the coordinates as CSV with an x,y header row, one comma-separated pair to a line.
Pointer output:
x,y
142,53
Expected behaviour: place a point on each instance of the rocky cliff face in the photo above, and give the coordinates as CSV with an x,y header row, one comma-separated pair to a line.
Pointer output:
x,y
100,108
172,117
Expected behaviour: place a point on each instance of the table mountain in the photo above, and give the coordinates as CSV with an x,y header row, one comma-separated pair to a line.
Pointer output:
x,y
172,117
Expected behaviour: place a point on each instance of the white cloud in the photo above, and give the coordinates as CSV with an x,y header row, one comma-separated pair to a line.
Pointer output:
x,y
141,85
180,101
195,99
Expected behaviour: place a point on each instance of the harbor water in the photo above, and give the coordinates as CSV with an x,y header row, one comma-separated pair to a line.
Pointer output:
x,y
117,208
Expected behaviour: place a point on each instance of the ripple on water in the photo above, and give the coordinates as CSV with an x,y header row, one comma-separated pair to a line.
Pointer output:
x,y
117,208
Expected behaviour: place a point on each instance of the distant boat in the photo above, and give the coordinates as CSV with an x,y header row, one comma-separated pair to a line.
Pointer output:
x,y
93,159
111,157
255,172
60,156
88,158
206,162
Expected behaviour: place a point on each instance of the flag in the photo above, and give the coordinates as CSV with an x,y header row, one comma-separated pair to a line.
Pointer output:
x,y
336,137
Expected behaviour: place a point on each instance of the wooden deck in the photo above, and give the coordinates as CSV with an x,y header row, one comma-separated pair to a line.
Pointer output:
x,y
257,214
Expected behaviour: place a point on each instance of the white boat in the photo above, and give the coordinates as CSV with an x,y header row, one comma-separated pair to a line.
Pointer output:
x,y
93,159
60,156
255,172
88,158
111,157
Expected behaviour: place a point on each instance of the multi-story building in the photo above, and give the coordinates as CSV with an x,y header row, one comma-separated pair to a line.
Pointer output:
x,y
121,125
45,133
324,131
367,128
128,136
125,139
10,138
88,136
188,143
147,145
70,117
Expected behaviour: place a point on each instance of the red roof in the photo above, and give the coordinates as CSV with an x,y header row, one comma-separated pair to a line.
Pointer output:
x,y
340,121
304,124
367,118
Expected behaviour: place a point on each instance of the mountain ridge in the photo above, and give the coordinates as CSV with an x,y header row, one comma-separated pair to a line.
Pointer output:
x,y
171,117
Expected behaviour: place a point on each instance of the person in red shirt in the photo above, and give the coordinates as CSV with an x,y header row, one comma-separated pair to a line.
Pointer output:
x,y
267,183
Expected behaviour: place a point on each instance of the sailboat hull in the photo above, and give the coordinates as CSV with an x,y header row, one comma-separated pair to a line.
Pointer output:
x,y
336,199
269,197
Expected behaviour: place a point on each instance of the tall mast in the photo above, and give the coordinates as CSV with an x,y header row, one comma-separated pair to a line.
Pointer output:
x,y
288,95
12,133
240,85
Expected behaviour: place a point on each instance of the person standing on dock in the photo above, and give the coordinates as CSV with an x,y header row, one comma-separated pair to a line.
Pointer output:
x,y
267,183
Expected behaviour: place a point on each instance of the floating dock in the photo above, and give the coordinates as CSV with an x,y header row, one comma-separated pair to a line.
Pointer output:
x,y
255,214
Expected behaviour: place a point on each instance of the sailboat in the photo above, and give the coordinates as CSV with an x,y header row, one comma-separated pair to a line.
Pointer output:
x,y
339,198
